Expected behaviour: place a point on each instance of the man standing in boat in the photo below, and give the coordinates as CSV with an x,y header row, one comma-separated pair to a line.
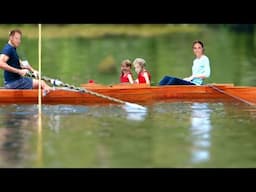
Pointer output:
x,y
14,71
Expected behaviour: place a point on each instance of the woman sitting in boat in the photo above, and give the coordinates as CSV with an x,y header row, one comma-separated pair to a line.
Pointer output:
x,y
200,69
143,75
126,74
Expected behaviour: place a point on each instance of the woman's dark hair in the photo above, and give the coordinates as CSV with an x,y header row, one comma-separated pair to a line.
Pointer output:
x,y
197,41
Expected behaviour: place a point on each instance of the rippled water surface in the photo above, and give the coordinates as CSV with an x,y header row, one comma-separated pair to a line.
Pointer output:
x,y
178,134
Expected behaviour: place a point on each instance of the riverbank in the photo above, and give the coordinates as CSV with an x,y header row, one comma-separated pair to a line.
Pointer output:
x,y
99,30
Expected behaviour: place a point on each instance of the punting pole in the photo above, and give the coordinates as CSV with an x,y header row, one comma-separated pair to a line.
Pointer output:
x,y
230,95
39,141
39,70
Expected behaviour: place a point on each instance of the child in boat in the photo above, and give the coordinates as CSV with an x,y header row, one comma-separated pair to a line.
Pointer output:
x,y
143,75
200,69
126,74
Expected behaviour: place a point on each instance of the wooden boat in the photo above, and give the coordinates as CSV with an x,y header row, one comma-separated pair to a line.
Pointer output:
x,y
138,93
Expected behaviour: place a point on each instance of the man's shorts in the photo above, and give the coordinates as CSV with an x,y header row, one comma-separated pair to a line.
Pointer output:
x,y
22,83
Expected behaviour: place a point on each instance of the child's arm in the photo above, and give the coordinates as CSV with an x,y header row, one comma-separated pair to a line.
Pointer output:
x,y
130,78
146,78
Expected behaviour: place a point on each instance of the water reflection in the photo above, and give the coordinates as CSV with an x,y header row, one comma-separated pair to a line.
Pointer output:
x,y
54,123
200,132
135,114
13,133
140,116
55,112
39,142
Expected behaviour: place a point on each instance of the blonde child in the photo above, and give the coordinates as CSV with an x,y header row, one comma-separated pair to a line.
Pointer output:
x,y
143,75
126,74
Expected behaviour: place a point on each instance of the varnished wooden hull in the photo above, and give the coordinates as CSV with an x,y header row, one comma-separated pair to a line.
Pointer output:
x,y
140,94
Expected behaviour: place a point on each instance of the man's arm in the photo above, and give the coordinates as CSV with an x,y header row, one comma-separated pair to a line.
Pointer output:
x,y
26,65
3,65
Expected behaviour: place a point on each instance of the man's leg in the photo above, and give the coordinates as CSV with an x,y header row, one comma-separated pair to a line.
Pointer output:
x,y
22,83
44,86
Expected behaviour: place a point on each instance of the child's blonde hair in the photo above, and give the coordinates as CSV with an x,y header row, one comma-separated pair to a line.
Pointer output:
x,y
140,61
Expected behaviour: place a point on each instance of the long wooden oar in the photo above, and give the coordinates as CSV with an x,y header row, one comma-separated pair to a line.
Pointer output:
x,y
230,95
59,83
